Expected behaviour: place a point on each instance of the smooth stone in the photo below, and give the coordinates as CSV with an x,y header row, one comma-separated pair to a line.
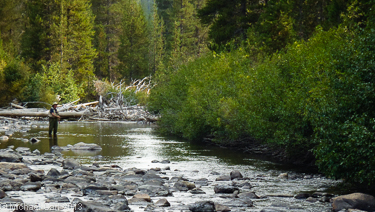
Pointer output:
x,y
202,206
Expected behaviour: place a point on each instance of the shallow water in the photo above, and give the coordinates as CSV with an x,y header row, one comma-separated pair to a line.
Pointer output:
x,y
136,145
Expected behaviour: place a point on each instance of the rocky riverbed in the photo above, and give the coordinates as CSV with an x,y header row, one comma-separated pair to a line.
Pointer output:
x,y
49,182
53,182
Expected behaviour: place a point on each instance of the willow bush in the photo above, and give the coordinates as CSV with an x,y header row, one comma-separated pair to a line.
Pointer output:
x,y
316,95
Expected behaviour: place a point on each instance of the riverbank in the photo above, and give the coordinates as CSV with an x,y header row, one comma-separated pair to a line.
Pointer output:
x,y
269,152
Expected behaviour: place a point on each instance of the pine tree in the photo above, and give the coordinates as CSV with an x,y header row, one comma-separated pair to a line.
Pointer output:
x,y
60,32
133,51
108,14
157,49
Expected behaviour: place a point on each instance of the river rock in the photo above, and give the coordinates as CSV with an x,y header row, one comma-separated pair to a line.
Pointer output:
x,y
235,175
227,189
86,147
143,196
31,186
223,178
92,189
53,173
2,194
7,166
354,201
184,185
70,164
4,138
34,140
83,206
202,206
163,203
197,191
6,156
250,195
23,150
36,178
302,196
283,176
221,208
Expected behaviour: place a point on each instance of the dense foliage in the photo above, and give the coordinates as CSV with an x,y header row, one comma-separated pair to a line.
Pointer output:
x,y
316,95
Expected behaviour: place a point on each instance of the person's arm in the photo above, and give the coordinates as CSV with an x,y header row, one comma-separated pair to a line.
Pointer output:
x,y
55,115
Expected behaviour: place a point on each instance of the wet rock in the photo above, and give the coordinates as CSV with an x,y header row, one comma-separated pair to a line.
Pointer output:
x,y
283,176
137,201
143,196
83,206
354,201
201,182
214,173
123,206
165,161
31,186
271,210
227,189
23,150
221,208
203,206
6,156
23,171
244,185
92,189
53,173
86,147
4,138
58,199
154,161
311,199
2,194
302,196
184,185
240,203
223,178
163,203
197,191
34,140
70,164
155,190
8,201
36,152
250,195
235,175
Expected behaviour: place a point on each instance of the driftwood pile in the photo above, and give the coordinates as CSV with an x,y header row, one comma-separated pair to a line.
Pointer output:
x,y
113,106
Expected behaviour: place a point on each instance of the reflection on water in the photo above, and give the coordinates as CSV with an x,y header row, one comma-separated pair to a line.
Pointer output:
x,y
130,143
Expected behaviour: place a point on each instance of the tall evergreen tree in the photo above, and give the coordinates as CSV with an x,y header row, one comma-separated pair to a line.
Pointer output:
x,y
157,48
133,51
108,14
60,32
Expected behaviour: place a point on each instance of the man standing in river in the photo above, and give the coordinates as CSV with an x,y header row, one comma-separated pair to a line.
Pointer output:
x,y
53,119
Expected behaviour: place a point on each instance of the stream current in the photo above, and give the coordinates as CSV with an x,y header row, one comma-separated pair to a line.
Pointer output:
x,y
128,145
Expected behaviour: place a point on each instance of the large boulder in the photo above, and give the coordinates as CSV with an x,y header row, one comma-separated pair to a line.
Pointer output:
x,y
203,206
86,147
6,156
235,175
227,189
354,201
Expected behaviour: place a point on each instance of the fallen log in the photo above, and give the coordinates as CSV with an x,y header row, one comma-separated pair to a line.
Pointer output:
x,y
17,106
16,113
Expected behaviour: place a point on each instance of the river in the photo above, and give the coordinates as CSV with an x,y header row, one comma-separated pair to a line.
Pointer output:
x,y
128,144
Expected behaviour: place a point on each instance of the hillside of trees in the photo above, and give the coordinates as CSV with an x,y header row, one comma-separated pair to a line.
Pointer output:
x,y
61,47
292,74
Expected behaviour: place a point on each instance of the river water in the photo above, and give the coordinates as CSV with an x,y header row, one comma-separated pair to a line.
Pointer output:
x,y
137,145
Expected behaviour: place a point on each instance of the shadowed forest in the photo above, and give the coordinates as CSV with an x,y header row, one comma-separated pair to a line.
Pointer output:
x,y
293,74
